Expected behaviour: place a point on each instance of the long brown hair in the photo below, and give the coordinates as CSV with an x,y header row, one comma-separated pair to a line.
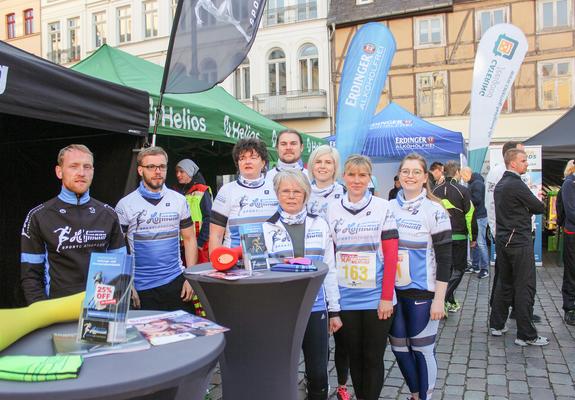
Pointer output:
x,y
423,163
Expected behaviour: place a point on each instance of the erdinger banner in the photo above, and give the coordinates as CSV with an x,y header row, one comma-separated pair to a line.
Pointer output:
x,y
364,72
210,38
499,56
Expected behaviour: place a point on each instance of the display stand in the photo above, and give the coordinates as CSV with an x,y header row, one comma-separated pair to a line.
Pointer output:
x,y
267,315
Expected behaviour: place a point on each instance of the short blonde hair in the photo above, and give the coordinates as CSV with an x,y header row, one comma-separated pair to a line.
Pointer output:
x,y
569,168
321,151
293,175
151,151
357,161
78,147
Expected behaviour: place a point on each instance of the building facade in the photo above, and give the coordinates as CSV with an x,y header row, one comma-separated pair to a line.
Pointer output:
x,y
20,24
431,73
286,75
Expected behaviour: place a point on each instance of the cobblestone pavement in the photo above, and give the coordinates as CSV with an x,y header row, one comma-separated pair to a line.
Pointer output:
x,y
474,365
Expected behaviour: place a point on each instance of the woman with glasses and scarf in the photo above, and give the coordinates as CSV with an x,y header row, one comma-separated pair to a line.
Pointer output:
x,y
365,234
292,232
247,200
423,272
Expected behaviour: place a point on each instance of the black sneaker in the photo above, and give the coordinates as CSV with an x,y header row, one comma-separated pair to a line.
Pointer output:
x,y
469,270
483,274
536,319
570,317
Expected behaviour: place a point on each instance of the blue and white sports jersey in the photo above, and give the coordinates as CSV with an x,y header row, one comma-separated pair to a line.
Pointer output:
x,y
362,232
237,204
154,235
317,203
274,171
318,246
421,224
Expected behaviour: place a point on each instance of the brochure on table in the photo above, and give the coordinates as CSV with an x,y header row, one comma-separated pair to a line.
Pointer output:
x,y
103,317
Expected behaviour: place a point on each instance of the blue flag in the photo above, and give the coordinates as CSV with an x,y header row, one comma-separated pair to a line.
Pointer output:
x,y
364,72
210,38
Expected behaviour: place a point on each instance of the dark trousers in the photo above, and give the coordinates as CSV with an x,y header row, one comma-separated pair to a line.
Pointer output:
x,y
340,358
458,265
516,283
315,354
166,297
365,337
568,288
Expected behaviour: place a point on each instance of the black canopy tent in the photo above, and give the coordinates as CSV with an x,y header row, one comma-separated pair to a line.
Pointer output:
x,y
558,146
44,107
558,139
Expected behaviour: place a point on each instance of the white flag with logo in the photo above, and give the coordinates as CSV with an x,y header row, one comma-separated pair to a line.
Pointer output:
x,y
499,56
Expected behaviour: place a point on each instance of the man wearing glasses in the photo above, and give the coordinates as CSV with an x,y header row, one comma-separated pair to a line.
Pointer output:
x,y
59,235
153,217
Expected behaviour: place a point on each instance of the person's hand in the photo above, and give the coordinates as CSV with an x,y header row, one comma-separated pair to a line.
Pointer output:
x,y
187,292
334,324
135,299
437,310
473,244
385,309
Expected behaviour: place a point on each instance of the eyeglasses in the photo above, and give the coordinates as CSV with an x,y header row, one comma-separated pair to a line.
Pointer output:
x,y
415,172
291,193
152,167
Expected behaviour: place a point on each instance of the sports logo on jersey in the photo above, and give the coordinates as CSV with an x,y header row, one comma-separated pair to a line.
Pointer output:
x,y
62,211
243,202
80,239
505,46
409,224
92,210
160,217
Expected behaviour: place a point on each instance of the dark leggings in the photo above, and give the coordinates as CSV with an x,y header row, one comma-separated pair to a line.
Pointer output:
x,y
315,354
166,297
365,336
458,264
341,358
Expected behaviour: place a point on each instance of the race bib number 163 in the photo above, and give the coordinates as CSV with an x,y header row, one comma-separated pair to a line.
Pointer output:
x,y
356,270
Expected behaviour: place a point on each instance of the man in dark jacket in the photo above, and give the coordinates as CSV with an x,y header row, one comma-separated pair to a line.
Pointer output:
x,y
479,254
514,206
457,200
567,194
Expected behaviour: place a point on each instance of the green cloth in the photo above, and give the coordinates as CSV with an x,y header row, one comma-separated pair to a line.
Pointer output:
x,y
211,115
39,368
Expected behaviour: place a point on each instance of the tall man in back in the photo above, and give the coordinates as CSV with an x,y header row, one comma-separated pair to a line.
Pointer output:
x,y
153,218
289,147
59,235
514,206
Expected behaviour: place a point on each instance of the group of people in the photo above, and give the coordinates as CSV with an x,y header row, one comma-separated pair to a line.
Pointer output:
x,y
393,266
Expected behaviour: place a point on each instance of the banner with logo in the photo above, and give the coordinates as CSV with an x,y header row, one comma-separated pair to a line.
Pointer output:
x,y
362,80
209,39
499,56
533,178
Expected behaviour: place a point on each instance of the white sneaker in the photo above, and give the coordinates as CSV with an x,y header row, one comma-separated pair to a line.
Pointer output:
x,y
498,332
539,341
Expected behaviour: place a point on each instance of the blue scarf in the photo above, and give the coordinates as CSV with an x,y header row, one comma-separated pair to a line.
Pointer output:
x,y
326,191
292,219
364,201
67,196
413,204
282,166
252,183
148,194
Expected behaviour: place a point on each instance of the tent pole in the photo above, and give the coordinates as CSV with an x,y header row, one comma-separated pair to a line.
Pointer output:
x,y
157,119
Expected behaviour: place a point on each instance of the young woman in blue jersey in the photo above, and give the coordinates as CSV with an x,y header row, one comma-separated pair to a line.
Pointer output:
x,y
365,235
422,276
292,232
249,199
323,170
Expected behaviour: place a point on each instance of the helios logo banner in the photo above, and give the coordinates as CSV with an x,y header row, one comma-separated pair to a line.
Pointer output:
x,y
3,78
499,56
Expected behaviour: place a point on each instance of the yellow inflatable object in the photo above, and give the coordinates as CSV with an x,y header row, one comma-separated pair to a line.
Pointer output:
x,y
18,322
